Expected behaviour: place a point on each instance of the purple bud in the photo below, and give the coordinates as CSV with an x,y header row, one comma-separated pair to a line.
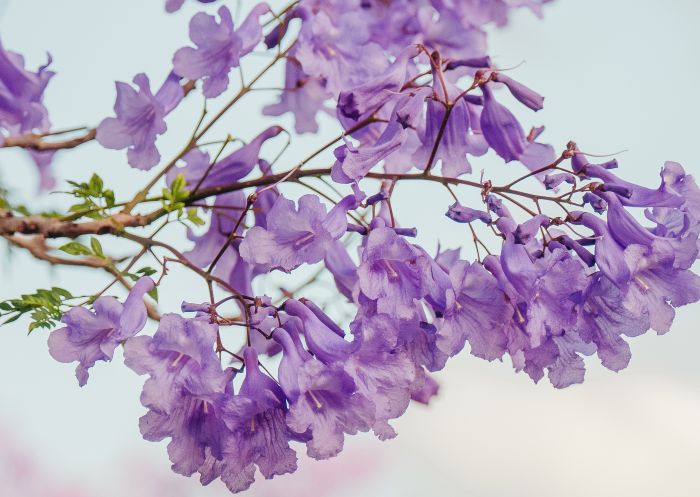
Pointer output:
x,y
191,307
462,214
522,93
580,250
552,181
599,205
378,197
621,190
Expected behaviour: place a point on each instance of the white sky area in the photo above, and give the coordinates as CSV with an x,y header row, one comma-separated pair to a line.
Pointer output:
x,y
617,75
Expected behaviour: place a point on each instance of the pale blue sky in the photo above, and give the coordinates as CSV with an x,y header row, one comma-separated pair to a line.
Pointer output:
x,y
617,74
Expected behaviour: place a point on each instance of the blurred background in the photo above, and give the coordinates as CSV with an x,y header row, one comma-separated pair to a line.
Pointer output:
x,y
616,75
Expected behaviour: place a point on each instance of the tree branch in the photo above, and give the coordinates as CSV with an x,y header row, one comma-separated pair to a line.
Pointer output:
x,y
55,228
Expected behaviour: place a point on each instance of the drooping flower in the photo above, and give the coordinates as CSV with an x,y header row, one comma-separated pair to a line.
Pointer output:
x,y
259,435
476,311
294,237
21,94
139,119
219,47
90,337
184,392
447,137
506,137
371,95
522,93
324,402
392,272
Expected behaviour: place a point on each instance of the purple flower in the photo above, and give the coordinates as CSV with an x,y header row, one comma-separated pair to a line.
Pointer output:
x,y
683,221
323,341
426,390
303,96
140,119
353,163
199,171
630,194
219,47
90,337
184,392
552,181
560,355
341,267
605,318
323,400
546,289
21,95
368,97
501,129
447,121
475,311
336,47
506,137
392,272
294,237
259,435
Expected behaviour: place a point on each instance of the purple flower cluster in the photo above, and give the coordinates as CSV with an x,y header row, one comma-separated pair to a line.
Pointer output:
x,y
555,289
343,44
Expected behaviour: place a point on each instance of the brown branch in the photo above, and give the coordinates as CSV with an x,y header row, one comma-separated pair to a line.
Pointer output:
x,y
55,228
36,141
37,247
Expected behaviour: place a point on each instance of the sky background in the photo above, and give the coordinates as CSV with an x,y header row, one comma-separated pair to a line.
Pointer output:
x,y
616,74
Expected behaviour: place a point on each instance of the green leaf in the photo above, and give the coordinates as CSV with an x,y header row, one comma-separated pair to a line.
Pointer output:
x,y
75,248
96,185
44,307
154,294
179,183
146,271
194,218
97,247
108,195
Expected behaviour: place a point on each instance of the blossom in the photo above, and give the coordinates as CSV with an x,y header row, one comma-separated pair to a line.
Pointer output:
x,y
90,337
219,47
475,310
184,392
21,94
506,137
259,435
139,119
303,96
294,237
392,272
353,163
446,137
